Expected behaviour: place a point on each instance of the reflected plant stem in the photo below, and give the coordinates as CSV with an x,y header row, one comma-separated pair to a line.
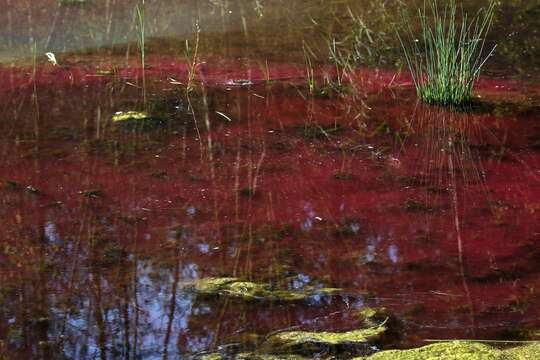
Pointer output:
x,y
99,316
42,306
135,296
217,331
460,241
257,169
9,23
248,267
72,279
237,182
35,91
125,310
195,122
30,23
98,122
244,22
54,23
210,152
172,307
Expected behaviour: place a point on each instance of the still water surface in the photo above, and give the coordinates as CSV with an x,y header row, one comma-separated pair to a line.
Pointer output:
x,y
430,213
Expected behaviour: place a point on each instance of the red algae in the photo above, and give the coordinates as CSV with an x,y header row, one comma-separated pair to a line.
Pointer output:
x,y
430,213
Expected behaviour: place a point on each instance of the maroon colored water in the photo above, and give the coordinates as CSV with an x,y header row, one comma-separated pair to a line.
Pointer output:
x,y
433,214
430,213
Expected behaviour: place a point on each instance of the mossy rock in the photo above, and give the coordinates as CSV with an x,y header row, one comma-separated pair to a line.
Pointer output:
x,y
247,290
251,356
527,352
324,343
459,350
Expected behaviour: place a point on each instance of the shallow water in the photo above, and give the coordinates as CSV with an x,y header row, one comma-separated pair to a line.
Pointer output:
x,y
433,214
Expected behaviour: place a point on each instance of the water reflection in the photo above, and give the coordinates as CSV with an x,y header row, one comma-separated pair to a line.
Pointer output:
x,y
412,208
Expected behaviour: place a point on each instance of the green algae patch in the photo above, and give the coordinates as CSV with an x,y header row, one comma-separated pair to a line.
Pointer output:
x,y
124,116
310,343
141,120
459,350
247,290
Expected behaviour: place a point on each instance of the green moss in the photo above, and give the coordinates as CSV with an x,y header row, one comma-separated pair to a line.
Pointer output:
x,y
246,290
528,352
213,356
303,342
459,350
374,315
141,120
210,286
448,350
122,116
251,356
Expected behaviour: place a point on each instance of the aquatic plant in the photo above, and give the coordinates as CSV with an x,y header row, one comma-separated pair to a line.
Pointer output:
x,y
343,66
332,83
310,75
447,59
141,35
192,58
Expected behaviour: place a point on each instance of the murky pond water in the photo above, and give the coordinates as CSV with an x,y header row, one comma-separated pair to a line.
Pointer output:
x,y
120,189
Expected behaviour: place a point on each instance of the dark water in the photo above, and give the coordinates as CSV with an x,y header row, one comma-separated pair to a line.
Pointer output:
x,y
433,214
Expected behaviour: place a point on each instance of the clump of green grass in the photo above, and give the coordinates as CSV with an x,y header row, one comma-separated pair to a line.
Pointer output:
x,y
332,84
447,59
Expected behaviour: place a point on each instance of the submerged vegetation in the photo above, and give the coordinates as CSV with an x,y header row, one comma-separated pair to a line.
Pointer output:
x,y
247,290
446,60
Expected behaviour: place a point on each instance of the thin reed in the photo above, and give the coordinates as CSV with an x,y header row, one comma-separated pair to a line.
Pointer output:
x,y
447,59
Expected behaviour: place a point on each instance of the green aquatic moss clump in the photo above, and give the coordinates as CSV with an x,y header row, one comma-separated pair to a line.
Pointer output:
x,y
304,342
247,290
141,120
459,350
122,116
